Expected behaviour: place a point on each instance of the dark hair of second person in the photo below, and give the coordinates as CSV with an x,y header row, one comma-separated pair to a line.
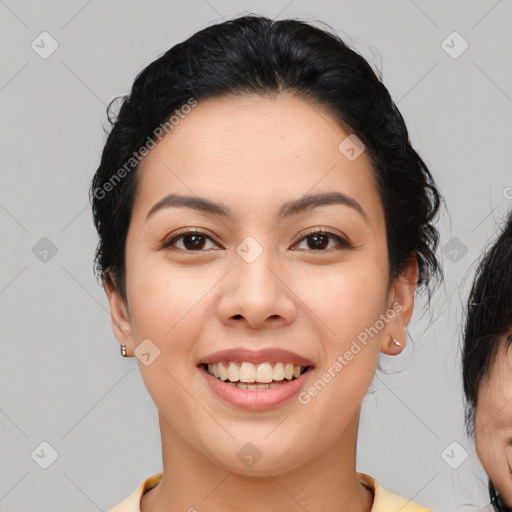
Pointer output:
x,y
487,366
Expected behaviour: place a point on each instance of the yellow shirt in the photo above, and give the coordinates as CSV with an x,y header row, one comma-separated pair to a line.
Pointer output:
x,y
383,501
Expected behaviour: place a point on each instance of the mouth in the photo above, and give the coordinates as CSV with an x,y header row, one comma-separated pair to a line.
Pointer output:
x,y
255,396
256,377
256,380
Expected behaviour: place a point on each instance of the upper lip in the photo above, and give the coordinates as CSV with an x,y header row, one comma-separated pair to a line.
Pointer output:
x,y
270,355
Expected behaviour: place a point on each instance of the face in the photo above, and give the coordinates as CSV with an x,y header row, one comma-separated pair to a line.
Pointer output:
x,y
493,424
259,277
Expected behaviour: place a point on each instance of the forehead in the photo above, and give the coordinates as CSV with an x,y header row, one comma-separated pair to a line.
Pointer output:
x,y
257,147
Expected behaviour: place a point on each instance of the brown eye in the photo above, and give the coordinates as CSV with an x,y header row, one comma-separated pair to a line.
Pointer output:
x,y
191,241
319,241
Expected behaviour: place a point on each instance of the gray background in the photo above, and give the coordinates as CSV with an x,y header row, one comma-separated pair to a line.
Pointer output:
x,y
62,380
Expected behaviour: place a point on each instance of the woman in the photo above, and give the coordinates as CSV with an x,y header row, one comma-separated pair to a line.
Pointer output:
x,y
263,225
487,367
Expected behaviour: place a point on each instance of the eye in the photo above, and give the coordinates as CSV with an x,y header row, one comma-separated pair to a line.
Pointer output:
x,y
319,240
195,240
192,241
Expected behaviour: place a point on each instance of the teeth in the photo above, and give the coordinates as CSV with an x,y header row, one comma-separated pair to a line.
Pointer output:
x,y
233,372
223,371
279,371
288,371
254,386
264,373
247,373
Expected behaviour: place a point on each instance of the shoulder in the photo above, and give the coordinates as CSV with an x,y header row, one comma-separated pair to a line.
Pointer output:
x,y
132,503
386,501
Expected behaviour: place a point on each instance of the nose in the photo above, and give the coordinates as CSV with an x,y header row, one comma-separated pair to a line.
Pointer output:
x,y
256,293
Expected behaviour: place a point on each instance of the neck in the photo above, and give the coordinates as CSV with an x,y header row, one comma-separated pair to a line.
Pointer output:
x,y
193,482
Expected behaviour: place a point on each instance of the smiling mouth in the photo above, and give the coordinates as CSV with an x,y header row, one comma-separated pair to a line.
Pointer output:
x,y
256,377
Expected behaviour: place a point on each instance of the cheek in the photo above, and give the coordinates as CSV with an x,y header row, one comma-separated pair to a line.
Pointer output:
x,y
485,452
489,449
492,453
163,297
168,307
351,304
348,297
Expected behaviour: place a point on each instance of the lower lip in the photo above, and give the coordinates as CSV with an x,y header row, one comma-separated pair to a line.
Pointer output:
x,y
256,399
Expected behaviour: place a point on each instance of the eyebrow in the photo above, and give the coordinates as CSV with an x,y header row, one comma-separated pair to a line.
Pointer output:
x,y
293,207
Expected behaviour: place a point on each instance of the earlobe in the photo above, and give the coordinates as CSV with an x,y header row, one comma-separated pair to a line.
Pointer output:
x,y
119,314
393,346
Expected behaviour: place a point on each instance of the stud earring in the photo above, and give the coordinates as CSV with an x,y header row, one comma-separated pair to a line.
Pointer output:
x,y
123,349
396,342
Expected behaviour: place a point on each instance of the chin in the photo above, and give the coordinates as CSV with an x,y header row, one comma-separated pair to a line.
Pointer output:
x,y
251,461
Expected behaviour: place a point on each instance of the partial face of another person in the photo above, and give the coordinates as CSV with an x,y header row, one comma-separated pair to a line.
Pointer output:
x,y
253,278
493,424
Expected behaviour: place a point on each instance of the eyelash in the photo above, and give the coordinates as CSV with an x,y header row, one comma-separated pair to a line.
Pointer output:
x,y
343,243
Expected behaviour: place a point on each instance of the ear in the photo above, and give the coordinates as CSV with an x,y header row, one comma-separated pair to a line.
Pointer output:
x,y
119,313
401,301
